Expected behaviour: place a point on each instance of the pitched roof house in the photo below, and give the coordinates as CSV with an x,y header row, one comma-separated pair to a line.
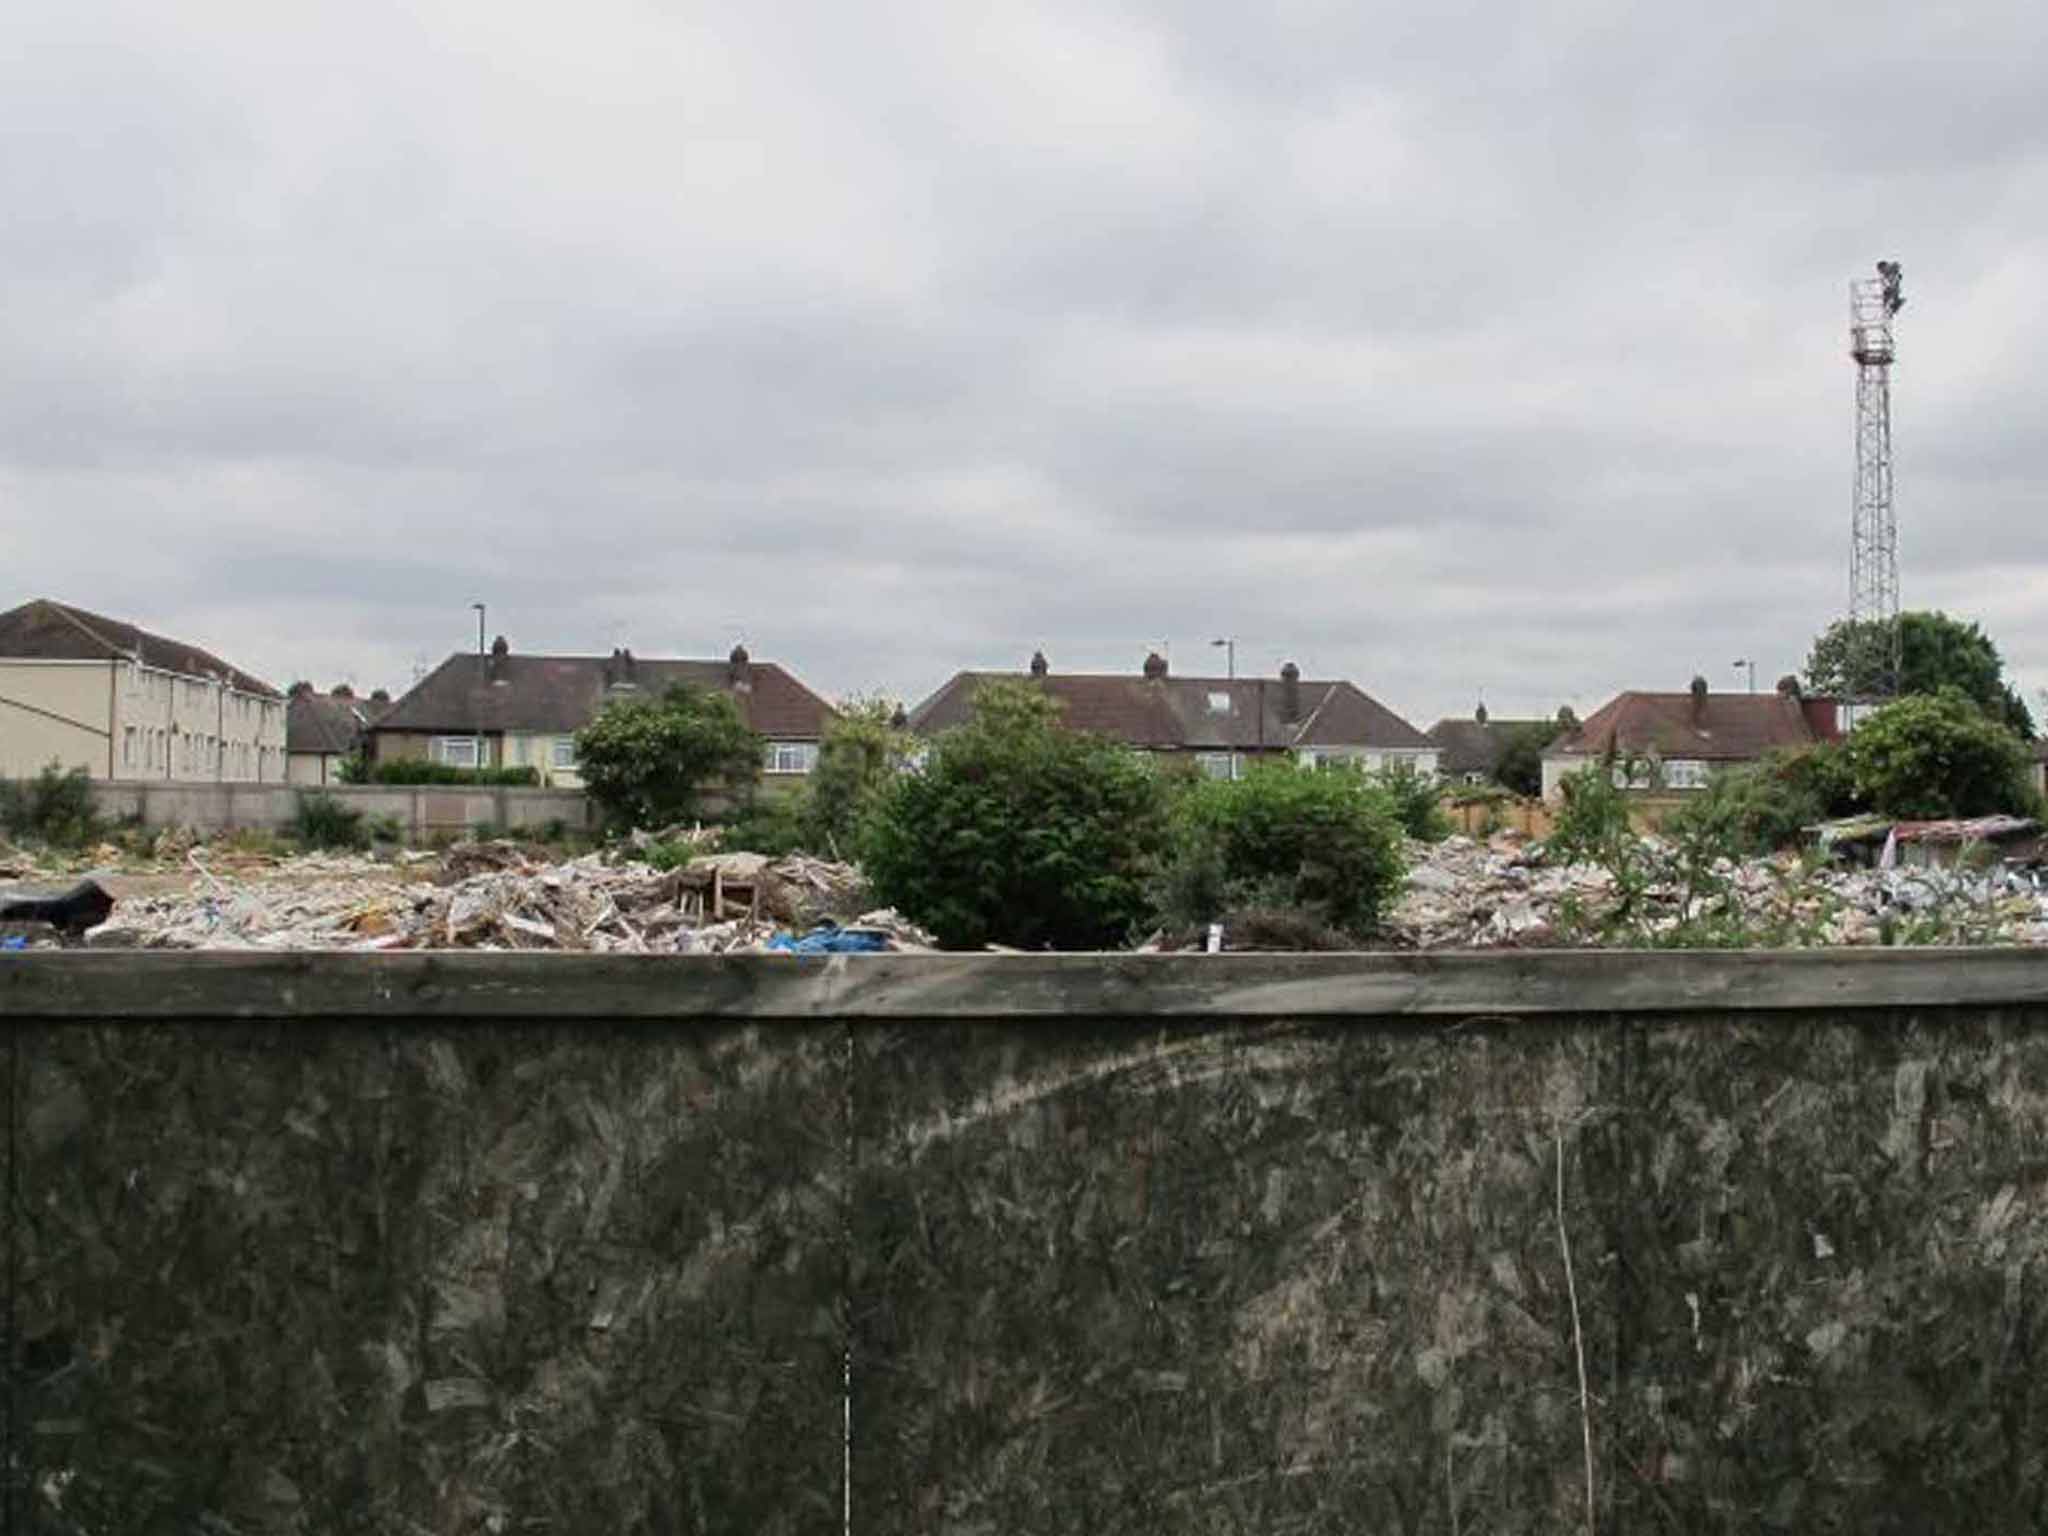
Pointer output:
x,y
1688,735
323,729
84,690
507,710
1218,721
1470,749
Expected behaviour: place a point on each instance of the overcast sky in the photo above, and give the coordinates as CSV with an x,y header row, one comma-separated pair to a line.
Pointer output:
x,y
1461,347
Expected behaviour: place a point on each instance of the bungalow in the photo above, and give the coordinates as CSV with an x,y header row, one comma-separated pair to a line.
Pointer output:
x,y
323,730
1218,723
1674,741
1470,750
501,710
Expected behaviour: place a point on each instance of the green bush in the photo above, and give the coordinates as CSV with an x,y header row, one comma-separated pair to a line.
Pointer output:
x,y
1592,818
1017,831
649,762
771,824
321,821
418,770
55,807
1752,810
1417,799
858,759
1325,844
1938,755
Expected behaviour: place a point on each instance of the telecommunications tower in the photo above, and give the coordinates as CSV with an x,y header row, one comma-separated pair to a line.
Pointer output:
x,y
1873,671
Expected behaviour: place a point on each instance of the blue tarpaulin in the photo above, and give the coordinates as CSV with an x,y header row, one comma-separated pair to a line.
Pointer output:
x,y
829,939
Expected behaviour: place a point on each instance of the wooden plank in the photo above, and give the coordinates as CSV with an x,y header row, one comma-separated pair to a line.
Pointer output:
x,y
542,985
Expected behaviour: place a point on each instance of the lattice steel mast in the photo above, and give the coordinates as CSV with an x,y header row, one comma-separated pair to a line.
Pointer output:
x,y
1873,673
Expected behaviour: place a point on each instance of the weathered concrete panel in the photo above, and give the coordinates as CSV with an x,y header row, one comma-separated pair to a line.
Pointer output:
x,y
284,1278
1258,1277
1836,1264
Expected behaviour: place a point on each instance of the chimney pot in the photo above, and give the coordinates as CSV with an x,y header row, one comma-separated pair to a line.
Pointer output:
x,y
1155,667
1788,685
1038,664
1290,692
1479,714
736,673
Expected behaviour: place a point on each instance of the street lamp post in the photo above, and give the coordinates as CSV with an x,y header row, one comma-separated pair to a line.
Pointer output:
x,y
479,607
1752,672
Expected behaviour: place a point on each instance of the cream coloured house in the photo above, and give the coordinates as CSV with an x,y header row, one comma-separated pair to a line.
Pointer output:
x,y
84,691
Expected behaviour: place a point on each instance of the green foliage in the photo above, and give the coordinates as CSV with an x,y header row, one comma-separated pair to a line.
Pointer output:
x,y
321,821
1327,844
649,762
1592,818
55,808
1417,800
1017,831
387,829
1520,764
1935,652
353,769
1762,807
858,759
1937,755
418,770
770,824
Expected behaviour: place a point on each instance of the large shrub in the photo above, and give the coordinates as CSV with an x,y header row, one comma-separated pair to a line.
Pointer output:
x,y
1936,755
1762,807
858,759
1416,798
1324,844
1017,831
55,807
650,762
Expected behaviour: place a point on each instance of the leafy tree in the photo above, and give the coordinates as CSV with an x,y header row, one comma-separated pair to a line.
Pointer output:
x,y
858,759
1755,809
1324,843
1520,764
1935,652
1936,755
1017,831
648,762
1592,817
55,807
1416,799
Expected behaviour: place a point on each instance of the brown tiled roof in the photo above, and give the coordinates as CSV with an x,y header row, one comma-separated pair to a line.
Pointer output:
x,y
1474,746
45,630
1176,713
1726,727
564,693
318,722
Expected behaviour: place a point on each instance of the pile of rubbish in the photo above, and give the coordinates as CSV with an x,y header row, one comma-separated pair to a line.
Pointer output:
x,y
495,896
1503,893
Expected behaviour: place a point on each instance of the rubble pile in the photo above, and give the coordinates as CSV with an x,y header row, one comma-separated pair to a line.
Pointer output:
x,y
1502,893
494,896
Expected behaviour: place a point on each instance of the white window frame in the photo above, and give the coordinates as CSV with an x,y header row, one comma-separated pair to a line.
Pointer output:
x,y
562,754
1217,765
458,751
1686,773
789,757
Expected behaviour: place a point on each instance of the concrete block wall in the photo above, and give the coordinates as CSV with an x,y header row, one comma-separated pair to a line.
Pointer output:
x,y
423,810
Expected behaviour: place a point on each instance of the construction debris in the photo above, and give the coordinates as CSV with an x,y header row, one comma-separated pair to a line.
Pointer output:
x,y
496,896
1503,894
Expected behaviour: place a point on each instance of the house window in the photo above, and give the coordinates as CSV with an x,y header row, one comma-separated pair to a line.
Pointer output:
x,y
1215,764
1685,773
563,753
128,746
791,756
456,751
1219,703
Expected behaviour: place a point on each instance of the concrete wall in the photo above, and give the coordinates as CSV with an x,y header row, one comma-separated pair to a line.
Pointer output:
x,y
1328,1243
422,810
54,711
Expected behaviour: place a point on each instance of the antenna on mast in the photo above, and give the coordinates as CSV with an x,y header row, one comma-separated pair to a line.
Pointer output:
x,y
1872,674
